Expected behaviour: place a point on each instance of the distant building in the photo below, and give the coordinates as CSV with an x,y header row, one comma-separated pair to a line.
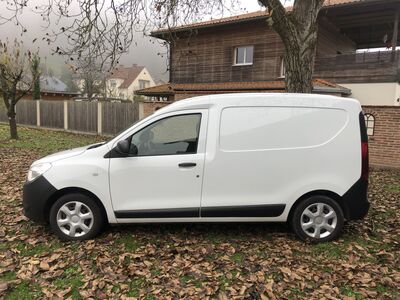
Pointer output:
x,y
124,81
51,83
52,88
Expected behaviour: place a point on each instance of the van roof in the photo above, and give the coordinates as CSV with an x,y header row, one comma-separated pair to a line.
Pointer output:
x,y
261,99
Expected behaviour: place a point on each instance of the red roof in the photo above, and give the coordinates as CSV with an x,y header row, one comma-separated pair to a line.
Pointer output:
x,y
220,21
240,18
128,74
225,87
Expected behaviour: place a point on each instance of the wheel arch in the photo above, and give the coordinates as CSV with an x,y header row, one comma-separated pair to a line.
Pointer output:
x,y
337,198
70,190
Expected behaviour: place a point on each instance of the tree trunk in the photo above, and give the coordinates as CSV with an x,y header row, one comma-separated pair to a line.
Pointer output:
x,y
299,62
13,122
298,30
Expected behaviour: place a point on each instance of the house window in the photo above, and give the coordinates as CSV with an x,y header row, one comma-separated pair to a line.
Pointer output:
x,y
282,70
144,84
244,55
369,123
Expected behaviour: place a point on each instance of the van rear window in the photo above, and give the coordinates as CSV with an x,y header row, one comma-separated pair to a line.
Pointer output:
x,y
263,128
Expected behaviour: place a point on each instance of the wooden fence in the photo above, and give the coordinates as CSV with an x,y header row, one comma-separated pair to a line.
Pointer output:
x,y
101,118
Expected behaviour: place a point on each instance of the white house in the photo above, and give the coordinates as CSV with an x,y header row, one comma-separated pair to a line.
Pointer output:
x,y
124,81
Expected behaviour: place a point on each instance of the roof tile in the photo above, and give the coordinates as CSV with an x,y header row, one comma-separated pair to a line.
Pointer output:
x,y
238,18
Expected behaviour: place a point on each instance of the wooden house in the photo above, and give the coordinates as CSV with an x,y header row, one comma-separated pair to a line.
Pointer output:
x,y
238,53
243,54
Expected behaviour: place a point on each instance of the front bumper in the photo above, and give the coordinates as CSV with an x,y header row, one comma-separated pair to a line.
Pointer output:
x,y
36,196
355,201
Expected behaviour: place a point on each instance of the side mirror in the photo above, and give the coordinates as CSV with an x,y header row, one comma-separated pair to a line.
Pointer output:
x,y
123,147
133,150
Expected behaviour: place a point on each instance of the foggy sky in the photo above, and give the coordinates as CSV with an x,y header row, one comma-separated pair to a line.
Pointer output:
x,y
144,51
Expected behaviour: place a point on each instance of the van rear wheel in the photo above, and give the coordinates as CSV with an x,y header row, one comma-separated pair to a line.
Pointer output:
x,y
318,219
76,217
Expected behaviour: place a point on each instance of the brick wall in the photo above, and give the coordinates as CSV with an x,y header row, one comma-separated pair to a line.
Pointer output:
x,y
148,107
384,144
185,96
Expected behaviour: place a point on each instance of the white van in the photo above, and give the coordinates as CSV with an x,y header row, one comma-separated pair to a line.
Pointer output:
x,y
301,159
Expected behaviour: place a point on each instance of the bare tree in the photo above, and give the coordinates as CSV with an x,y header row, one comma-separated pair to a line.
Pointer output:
x,y
92,86
14,82
105,28
67,78
92,78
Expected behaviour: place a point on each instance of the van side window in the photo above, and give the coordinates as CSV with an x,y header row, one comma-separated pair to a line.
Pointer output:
x,y
168,136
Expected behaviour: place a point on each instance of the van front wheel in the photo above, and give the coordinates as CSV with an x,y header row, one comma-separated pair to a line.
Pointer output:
x,y
76,217
318,219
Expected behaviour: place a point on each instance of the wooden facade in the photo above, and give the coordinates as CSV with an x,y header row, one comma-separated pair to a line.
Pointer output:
x,y
359,67
331,41
209,55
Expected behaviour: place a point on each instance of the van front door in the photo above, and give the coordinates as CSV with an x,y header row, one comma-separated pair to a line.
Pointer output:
x,y
162,176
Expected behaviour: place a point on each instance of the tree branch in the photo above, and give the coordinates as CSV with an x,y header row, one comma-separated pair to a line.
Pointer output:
x,y
278,13
105,28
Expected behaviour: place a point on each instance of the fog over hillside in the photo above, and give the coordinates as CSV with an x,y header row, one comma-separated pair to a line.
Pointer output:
x,y
144,51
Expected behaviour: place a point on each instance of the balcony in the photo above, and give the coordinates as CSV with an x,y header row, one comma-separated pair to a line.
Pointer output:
x,y
380,66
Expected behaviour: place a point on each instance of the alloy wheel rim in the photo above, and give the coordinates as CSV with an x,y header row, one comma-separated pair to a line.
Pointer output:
x,y
75,219
318,220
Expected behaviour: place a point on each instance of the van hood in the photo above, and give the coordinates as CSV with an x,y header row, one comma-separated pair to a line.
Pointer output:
x,y
64,154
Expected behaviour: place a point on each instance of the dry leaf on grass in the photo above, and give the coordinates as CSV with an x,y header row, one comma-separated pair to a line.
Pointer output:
x,y
198,261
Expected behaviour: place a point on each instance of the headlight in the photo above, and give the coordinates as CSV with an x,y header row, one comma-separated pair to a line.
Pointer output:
x,y
36,170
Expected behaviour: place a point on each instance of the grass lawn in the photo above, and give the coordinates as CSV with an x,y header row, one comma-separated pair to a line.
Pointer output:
x,y
225,261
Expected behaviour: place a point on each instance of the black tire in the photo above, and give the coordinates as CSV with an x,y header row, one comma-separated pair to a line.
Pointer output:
x,y
96,223
312,201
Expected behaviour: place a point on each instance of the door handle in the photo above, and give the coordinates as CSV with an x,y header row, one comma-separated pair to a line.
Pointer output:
x,y
187,165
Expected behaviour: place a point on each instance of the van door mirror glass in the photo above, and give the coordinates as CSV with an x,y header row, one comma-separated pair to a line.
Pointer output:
x,y
123,147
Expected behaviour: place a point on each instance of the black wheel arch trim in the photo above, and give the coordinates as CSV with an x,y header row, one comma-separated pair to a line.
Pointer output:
x,y
39,196
354,202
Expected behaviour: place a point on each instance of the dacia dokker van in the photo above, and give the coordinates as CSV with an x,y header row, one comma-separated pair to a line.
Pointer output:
x,y
301,159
